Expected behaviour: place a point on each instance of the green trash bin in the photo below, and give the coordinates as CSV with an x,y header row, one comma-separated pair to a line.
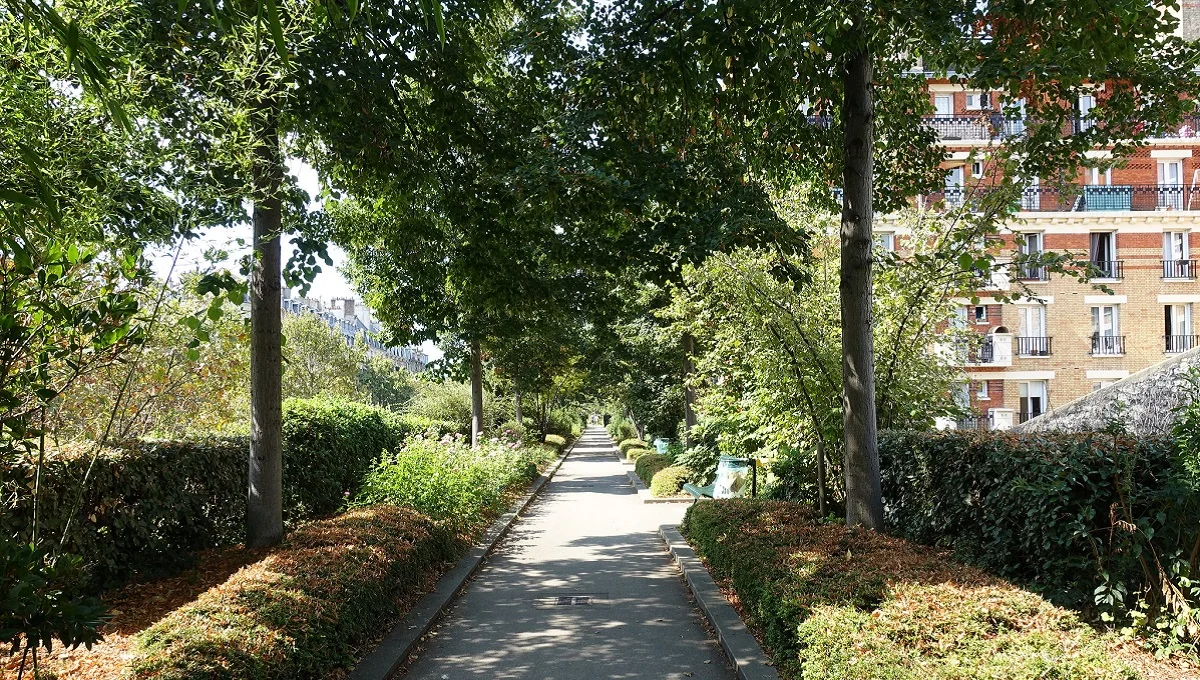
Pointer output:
x,y
660,445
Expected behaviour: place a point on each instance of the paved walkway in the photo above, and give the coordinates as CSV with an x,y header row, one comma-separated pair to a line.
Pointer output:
x,y
586,535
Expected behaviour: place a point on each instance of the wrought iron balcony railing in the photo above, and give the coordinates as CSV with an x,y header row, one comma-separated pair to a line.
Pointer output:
x,y
1108,345
1028,273
1025,416
1179,269
1034,346
1091,198
981,423
1107,269
1181,343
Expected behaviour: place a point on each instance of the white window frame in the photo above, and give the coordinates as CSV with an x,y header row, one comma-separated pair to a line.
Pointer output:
x,y
977,169
977,105
886,241
1175,245
982,393
1026,393
975,314
943,105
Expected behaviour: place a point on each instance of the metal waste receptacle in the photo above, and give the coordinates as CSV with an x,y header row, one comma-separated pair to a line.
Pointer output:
x,y
660,445
736,477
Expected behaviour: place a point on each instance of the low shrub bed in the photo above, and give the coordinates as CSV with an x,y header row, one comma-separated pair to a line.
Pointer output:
x,y
648,465
627,444
1086,519
300,612
451,482
669,481
832,602
556,441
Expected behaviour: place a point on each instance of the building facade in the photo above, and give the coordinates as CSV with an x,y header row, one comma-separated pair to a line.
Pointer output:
x,y
1133,224
355,322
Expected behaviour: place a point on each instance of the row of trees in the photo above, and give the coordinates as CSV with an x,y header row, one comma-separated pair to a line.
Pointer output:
x,y
495,170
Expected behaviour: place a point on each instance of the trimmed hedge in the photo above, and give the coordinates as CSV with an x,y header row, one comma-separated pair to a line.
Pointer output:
x,y
556,441
149,505
632,444
301,611
649,465
669,481
1058,512
634,454
831,602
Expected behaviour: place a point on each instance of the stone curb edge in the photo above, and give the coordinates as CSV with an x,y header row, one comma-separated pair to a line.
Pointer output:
x,y
747,656
393,651
644,492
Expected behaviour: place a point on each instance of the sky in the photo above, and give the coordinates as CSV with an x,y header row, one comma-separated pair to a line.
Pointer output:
x,y
330,283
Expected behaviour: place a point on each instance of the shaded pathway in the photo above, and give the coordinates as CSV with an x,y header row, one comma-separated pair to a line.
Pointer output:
x,y
586,536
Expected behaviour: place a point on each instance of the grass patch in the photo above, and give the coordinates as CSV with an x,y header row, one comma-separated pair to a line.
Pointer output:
x,y
838,603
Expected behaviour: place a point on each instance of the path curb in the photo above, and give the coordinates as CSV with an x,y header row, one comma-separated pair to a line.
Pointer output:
x,y
645,495
393,651
747,656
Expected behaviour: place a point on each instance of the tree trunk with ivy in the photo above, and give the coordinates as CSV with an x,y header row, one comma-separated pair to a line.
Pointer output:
x,y
864,498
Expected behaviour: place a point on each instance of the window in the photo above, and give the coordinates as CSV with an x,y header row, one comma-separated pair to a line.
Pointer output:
x,y
1030,248
1104,254
975,101
982,392
1032,340
1106,329
981,314
977,169
962,396
1033,399
1083,112
1170,185
1015,114
943,105
1031,195
885,241
1176,256
1177,321
959,320
1098,177
954,186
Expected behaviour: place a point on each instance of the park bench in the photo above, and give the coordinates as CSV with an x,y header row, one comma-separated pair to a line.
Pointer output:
x,y
698,492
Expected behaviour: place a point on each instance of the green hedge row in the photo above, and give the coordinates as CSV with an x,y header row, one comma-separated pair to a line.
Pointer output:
x,y
833,602
302,611
648,465
149,505
669,481
1078,517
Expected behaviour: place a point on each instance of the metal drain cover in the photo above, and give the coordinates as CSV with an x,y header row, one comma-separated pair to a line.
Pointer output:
x,y
572,600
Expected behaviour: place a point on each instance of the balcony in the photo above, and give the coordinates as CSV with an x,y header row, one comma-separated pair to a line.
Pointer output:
x,y
1108,345
991,350
1181,343
1029,273
1091,198
993,125
975,422
1179,269
1034,346
1107,269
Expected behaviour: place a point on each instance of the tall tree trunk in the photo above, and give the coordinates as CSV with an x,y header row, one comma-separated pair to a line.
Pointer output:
x,y
821,482
517,407
264,507
476,394
689,392
864,499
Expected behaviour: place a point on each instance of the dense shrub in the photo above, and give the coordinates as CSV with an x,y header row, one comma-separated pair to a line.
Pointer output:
x,y
669,481
648,465
1082,518
511,429
556,441
635,453
846,603
627,444
621,429
564,422
449,481
149,505
300,612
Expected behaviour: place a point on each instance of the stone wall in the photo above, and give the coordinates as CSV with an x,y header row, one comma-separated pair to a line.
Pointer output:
x,y
1144,402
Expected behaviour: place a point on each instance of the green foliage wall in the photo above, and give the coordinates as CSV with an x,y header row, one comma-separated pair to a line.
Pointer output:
x,y
148,505
1083,518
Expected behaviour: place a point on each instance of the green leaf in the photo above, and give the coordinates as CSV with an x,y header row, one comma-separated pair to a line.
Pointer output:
x,y
276,26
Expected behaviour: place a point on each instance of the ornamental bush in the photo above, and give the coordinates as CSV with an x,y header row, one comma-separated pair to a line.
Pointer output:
x,y
649,465
556,441
669,481
1081,518
450,482
634,454
627,444
301,611
834,602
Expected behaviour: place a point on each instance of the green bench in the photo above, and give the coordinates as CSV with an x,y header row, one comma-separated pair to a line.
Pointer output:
x,y
698,492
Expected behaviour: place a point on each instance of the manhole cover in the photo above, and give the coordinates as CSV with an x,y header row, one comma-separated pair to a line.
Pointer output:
x,y
571,600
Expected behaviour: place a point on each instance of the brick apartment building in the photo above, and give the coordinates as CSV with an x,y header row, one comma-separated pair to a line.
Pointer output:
x,y
1133,223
